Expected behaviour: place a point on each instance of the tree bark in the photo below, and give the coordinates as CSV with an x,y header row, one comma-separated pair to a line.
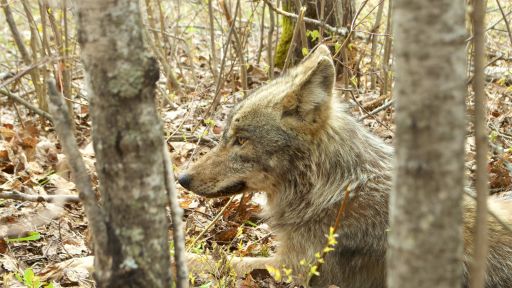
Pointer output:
x,y
481,229
127,137
425,238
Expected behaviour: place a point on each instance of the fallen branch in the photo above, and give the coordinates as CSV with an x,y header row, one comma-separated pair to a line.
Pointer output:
x,y
217,217
27,104
371,105
193,139
15,195
377,110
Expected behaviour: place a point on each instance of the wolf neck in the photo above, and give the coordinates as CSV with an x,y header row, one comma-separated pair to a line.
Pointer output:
x,y
343,156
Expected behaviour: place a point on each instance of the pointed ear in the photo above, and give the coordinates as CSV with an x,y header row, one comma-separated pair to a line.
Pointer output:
x,y
310,100
320,51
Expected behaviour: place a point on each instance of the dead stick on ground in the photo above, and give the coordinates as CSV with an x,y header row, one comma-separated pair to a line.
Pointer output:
x,y
27,104
15,195
177,222
377,110
87,195
217,217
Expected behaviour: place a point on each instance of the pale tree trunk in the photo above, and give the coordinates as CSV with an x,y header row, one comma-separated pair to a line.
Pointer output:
x,y
425,238
127,137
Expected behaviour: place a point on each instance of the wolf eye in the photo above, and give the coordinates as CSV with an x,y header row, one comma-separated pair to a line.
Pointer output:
x,y
239,141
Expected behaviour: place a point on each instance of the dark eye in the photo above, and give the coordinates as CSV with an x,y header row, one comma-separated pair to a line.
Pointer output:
x,y
239,141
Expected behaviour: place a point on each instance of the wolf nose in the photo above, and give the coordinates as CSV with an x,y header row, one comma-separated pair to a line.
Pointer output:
x,y
185,179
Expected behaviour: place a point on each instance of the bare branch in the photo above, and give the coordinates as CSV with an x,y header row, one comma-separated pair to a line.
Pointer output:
x,y
15,195
507,25
177,222
64,130
339,31
27,104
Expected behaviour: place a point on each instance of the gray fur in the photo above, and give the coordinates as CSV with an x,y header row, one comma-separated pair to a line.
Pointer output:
x,y
303,149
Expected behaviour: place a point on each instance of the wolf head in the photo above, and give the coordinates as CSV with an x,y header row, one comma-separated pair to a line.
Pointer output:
x,y
265,134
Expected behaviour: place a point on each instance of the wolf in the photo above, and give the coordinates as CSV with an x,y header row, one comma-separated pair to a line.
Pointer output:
x,y
293,139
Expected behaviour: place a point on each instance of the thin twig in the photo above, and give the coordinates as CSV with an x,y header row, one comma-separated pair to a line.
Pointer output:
x,y
296,32
220,79
262,35
237,44
375,29
270,58
377,110
340,31
63,127
366,111
302,29
337,224
28,105
193,139
490,27
217,217
214,60
15,195
387,52
498,57
177,222
28,70
27,59
507,25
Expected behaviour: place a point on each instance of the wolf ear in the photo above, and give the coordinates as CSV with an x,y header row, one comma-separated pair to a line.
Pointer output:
x,y
314,84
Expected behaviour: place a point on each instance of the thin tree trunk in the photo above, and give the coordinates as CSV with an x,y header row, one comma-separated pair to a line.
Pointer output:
x,y
478,268
127,137
375,29
425,238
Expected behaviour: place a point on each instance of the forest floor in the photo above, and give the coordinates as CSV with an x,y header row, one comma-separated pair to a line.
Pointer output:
x,y
36,236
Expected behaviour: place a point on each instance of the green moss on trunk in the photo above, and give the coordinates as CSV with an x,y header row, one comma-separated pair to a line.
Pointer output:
x,y
286,37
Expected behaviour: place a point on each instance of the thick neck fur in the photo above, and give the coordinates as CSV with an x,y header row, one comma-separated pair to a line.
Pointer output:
x,y
343,155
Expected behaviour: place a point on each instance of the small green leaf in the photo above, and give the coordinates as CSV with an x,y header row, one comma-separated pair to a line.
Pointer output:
x,y
18,277
337,48
32,236
28,277
313,34
209,122
305,51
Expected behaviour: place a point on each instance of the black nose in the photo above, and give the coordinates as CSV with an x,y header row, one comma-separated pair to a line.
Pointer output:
x,y
185,179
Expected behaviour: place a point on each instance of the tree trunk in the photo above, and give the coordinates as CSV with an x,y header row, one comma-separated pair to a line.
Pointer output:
x,y
335,13
425,238
127,137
